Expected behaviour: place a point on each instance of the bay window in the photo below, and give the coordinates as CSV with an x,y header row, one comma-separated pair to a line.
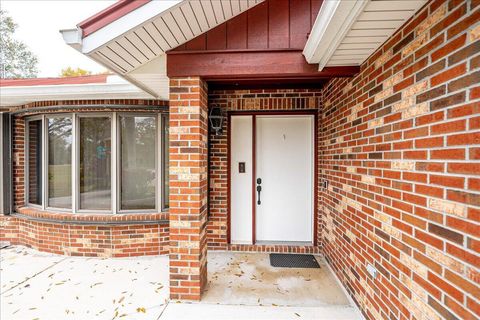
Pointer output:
x,y
105,163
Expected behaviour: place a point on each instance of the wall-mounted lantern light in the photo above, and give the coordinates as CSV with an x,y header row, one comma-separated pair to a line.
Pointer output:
x,y
216,119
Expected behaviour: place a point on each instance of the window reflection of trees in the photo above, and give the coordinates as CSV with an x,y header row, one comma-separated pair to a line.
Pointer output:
x,y
60,162
138,157
95,168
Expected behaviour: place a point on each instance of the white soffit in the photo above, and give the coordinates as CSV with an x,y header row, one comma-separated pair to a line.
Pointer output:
x,y
142,36
347,32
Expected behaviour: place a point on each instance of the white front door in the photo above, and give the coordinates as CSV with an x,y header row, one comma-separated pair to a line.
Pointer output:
x,y
284,163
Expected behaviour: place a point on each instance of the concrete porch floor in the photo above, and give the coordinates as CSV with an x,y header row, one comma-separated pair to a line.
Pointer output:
x,y
249,279
40,286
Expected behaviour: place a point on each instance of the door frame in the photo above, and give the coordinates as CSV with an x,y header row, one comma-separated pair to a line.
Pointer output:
x,y
311,112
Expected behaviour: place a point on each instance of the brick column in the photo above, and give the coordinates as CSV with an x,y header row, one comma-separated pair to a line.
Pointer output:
x,y
188,187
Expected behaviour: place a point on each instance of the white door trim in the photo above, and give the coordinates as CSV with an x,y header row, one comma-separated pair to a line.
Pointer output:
x,y
250,213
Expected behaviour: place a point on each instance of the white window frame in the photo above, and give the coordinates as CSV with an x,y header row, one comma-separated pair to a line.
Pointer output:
x,y
158,164
164,129
27,160
46,159
161,122
113,208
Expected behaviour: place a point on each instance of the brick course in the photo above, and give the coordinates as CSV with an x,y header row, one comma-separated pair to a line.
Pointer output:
x,y
399,150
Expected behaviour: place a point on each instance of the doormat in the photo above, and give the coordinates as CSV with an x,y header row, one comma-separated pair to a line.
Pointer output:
x,y
280,260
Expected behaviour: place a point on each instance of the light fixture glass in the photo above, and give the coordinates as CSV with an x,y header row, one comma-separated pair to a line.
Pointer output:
x,y
216,119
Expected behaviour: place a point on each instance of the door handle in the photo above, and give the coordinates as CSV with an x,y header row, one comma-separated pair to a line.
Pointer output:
x,y
259,189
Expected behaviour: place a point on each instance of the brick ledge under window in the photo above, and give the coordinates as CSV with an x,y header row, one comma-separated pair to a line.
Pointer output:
x,y
91,219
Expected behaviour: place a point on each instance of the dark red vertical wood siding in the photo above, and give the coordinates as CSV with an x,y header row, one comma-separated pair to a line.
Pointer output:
x,y
216,38
273,24
300,20
258,26
198,43
237,32
279,24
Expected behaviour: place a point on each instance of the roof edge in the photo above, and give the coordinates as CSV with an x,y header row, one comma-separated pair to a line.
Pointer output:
x,y
88,79
331,25
19,95
108,15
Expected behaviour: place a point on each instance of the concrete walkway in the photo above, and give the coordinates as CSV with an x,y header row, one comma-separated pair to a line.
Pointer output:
x,y
40,286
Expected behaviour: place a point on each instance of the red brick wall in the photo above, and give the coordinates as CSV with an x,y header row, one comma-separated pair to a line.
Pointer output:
x,y
188,187
244,100
401,151
67,236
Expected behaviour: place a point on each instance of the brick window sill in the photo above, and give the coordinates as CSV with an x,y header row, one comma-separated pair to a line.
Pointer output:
x,y
91,219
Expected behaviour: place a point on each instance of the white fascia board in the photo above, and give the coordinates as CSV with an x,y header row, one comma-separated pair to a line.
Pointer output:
x,y
333,21
12,96
72,37
124,24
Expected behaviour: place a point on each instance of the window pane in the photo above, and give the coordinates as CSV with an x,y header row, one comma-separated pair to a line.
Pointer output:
x,y
35,162
166,173
95,165
138,178
60,162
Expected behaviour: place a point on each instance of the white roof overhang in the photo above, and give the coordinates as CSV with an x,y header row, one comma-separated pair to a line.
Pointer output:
x,y
114,88
135,44
347,32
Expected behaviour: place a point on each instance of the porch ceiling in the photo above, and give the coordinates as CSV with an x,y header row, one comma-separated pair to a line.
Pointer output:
x,y
346,33
134,45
